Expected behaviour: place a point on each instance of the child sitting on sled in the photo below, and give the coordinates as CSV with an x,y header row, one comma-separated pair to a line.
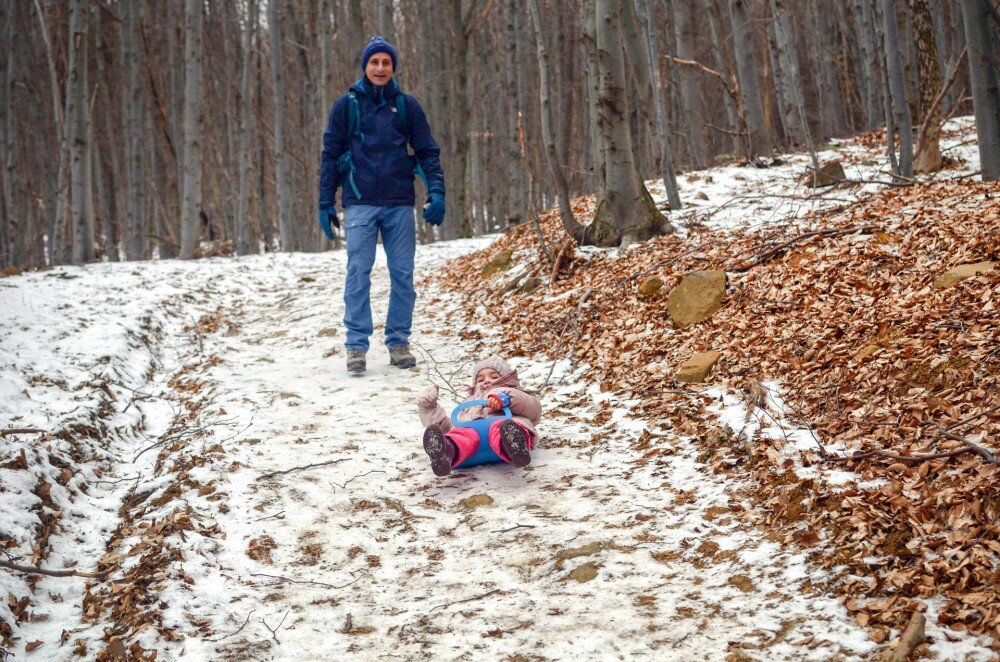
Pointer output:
x,y
511,439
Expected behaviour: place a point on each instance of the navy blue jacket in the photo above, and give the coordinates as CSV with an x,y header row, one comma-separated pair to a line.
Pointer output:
x,y
383,167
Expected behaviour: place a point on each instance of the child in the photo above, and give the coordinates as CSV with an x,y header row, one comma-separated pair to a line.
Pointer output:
x,y
512,439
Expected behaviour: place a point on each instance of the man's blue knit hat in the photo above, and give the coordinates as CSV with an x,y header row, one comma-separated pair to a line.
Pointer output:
x,y
378,45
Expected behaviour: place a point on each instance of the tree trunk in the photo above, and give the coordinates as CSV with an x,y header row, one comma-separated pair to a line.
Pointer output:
x,y
865,29
76,130
929,158
667,173
598,156
132,55
12,230
625,211
786,76
896,78
573,229
243,236
280,126
690,96
746,60
982,40
193,120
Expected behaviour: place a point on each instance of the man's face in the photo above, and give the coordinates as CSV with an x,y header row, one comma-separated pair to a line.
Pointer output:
x,y
379,68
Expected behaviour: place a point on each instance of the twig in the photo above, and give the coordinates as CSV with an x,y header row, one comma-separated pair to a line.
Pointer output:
x,y
780,248
272,474
519,526
277,514
305,581
373,471
458,602
7,431
975,448
237,631
932,111
274,631
893,456
35,570
573,320
966,421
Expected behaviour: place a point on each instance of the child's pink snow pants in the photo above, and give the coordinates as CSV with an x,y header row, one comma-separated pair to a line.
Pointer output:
x,y
467,441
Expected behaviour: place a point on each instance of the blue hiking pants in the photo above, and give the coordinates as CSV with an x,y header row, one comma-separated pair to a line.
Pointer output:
x,y
362,225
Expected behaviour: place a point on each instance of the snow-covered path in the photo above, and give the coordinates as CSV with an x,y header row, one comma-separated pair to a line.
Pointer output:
x,y
587,554
580,556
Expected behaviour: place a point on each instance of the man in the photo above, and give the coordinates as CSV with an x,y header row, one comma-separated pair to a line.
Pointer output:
x,y
365,151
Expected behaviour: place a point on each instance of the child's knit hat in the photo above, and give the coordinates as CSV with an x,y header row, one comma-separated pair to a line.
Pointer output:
x,y
508,376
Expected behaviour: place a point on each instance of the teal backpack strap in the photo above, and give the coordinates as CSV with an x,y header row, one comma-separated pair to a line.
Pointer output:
x,y
346,163
403,113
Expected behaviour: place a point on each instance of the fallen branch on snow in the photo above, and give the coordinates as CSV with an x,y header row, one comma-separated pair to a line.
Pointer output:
x,y
7,431
458,602
305,581
272,474
780,248
35,570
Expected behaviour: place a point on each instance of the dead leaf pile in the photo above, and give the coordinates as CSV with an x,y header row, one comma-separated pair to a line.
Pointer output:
x,y
885,368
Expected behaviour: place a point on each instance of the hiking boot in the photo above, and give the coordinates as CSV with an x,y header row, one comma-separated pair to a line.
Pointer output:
x,y
401,357
439,449
514,443
356,361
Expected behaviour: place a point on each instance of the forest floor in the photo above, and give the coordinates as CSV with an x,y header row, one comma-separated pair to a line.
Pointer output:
x,y
202,448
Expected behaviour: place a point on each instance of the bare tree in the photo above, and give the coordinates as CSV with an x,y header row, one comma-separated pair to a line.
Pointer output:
x,y
929,157
625,211
896,83
667,173
981,37
690,97
132,54
760,137
280,120
193,119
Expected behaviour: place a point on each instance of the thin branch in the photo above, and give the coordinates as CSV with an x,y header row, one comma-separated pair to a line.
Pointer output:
x,y
975,448
458,602
573,320
35,570
932,111
373,471
274,631
514,528
7,431
272,474
306,581
237,631
780,248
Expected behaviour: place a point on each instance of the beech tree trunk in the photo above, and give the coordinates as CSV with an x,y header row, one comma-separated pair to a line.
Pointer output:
x,y
667,173
690,97
77,117
746,57
132,54
896,78
243,234
983,42
929,158
280,121
625,211
193,119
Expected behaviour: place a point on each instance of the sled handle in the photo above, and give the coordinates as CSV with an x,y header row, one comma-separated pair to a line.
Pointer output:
x,y
474,403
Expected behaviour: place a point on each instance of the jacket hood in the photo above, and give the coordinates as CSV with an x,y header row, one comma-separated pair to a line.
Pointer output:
x,y
365,87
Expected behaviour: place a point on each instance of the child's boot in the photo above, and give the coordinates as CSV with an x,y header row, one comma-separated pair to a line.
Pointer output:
x,y
514,443
439,449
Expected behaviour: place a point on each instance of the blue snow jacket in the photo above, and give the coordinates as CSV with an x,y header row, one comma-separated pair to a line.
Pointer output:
x,y
374,165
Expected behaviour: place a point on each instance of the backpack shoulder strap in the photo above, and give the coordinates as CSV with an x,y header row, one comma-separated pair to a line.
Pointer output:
x,y
353,114
402,109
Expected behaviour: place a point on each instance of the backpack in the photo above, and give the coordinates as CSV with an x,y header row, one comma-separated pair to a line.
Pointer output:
x,y
346,162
